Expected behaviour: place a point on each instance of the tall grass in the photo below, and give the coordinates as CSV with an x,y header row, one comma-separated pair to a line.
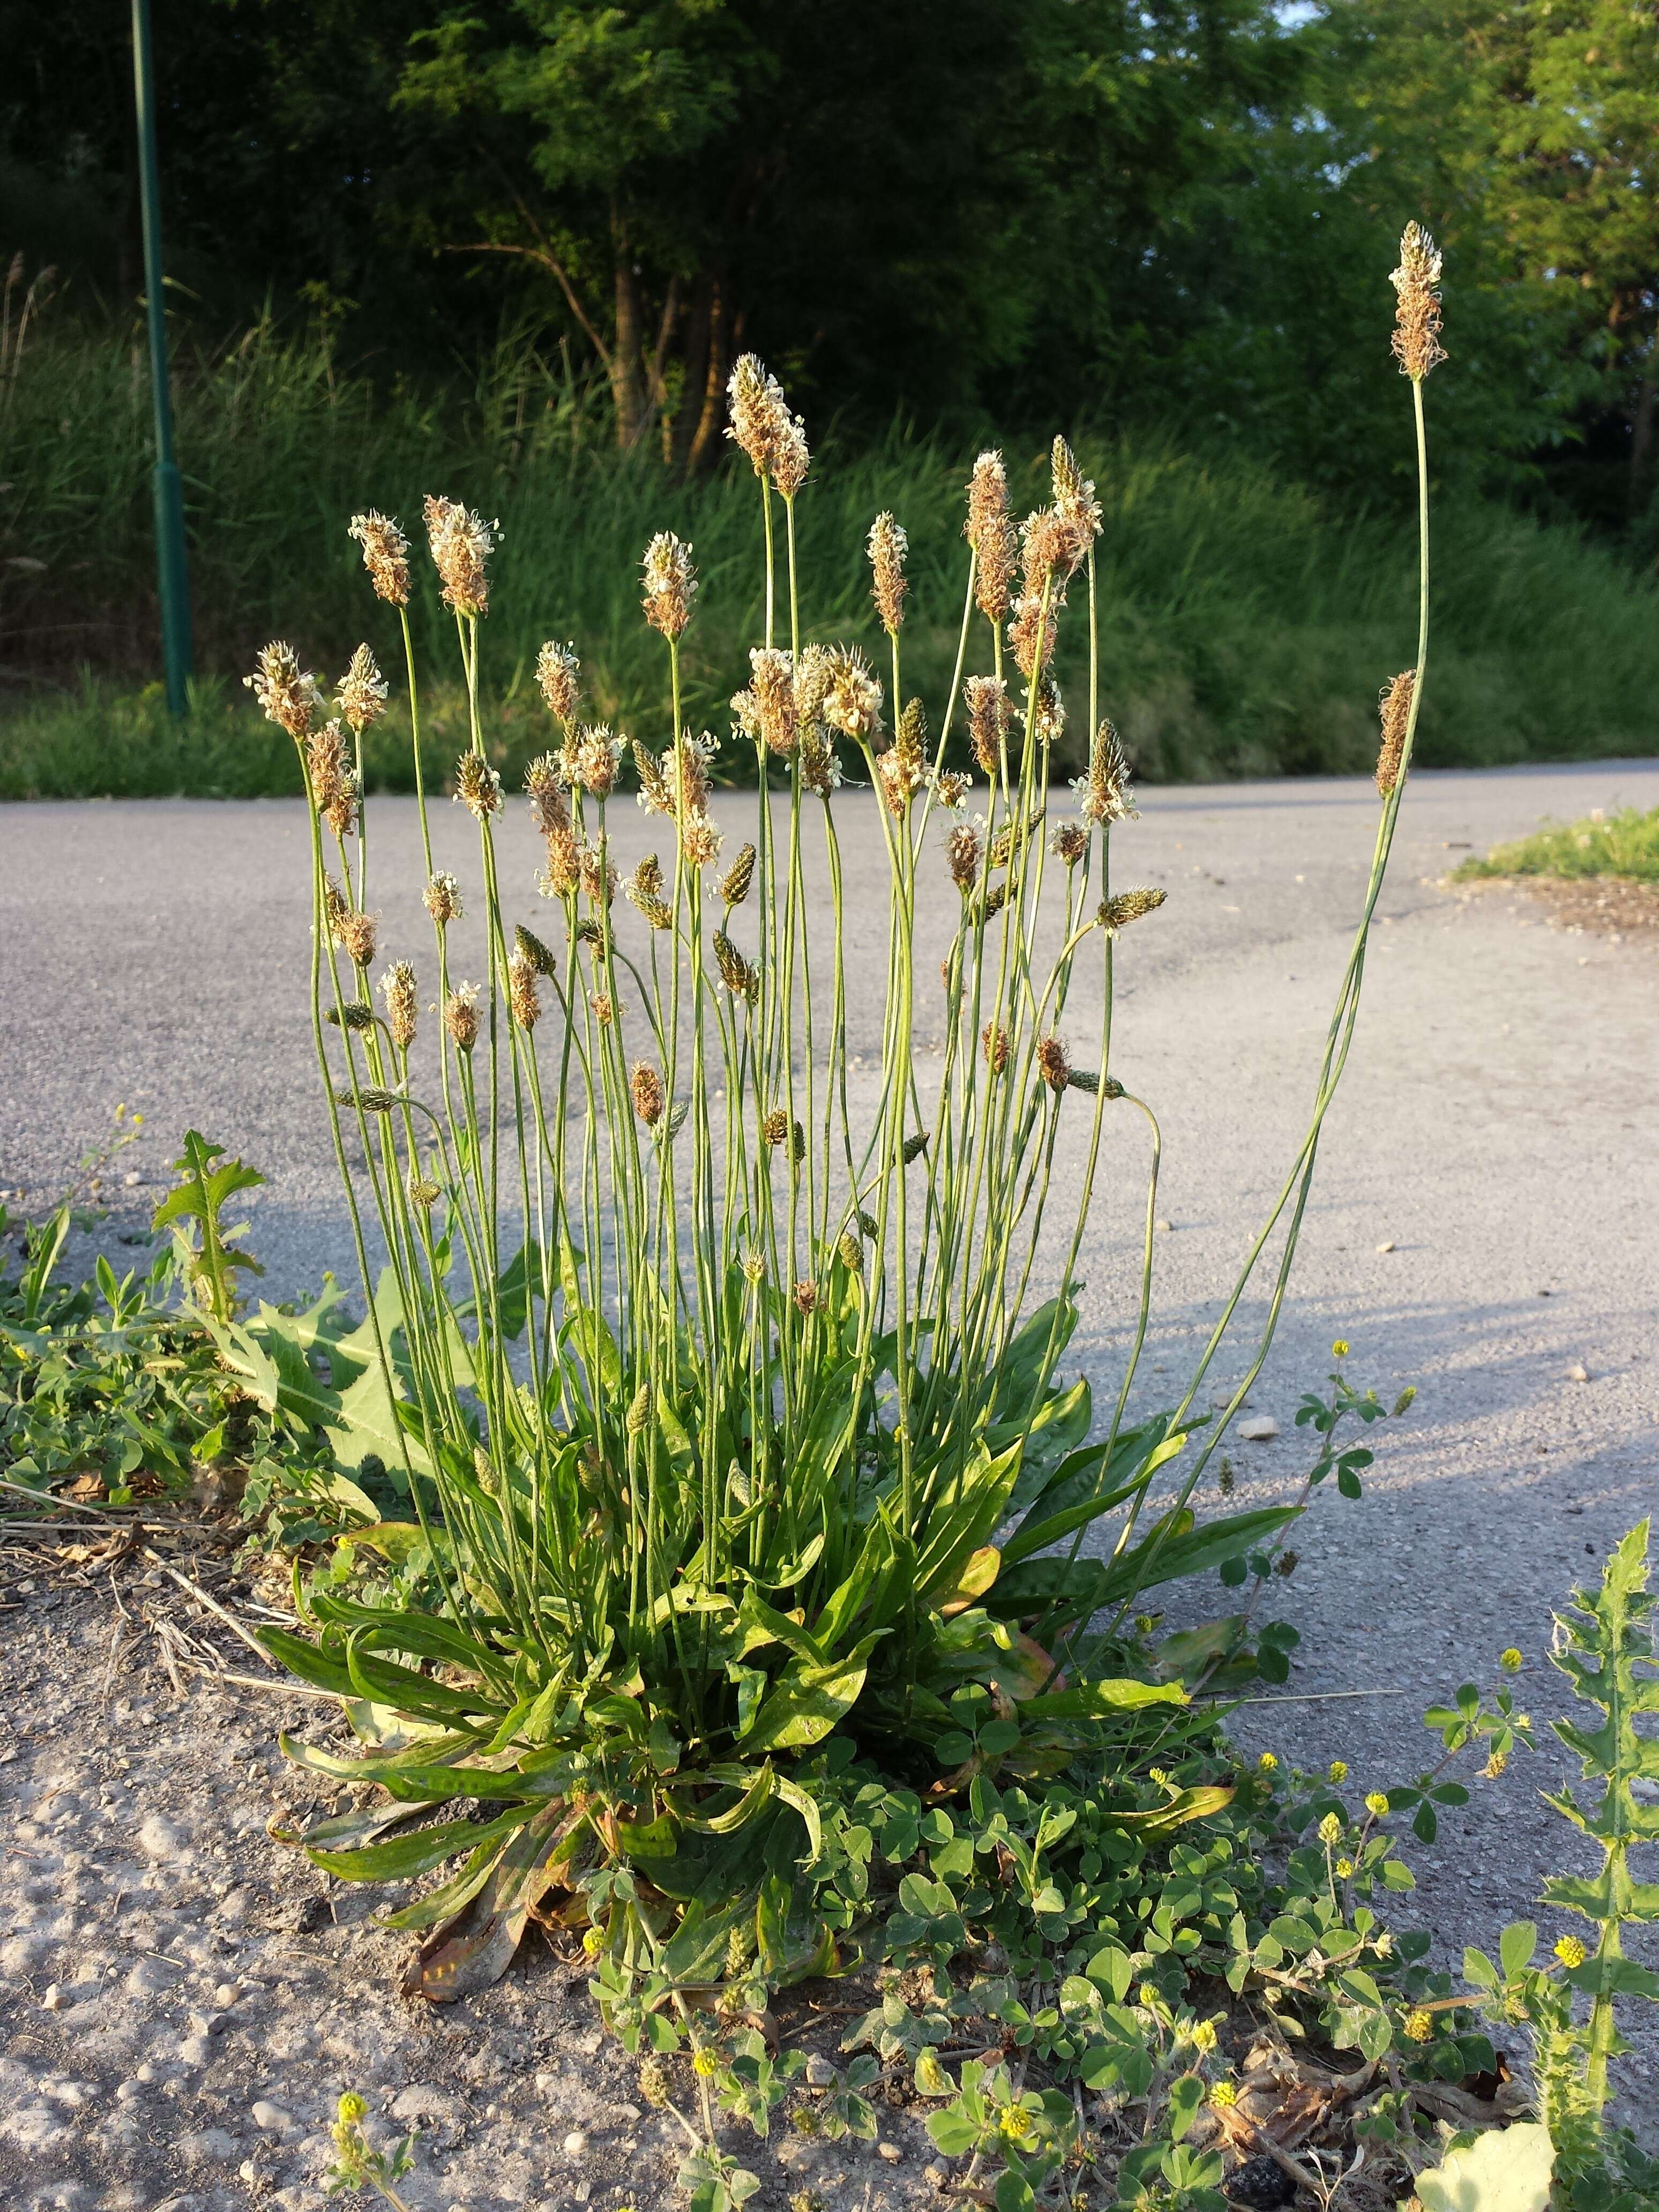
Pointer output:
x,y
1245,621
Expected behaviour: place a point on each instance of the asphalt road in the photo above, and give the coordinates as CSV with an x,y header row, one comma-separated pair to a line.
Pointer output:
x,y
1496,1130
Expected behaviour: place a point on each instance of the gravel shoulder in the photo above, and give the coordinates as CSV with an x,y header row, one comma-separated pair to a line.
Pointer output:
x,y
1483,1226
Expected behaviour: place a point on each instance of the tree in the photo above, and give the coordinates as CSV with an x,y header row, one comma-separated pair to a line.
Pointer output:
x,y
916,200
1527,129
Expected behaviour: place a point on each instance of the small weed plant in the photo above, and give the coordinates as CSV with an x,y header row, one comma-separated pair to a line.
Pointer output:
x,y
763,1601
111,1390
1625,843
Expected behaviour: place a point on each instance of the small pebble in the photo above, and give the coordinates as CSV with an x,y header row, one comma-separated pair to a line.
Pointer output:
x,y
1387,1245
1259,1429
820,2074
1578,1372
53,1999
891,2152
272,2117
575,2144
226,1995
1165,1224
934,2176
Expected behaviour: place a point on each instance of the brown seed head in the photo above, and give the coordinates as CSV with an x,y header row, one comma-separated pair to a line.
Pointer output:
x,y
671,584
1048,721
355,934
701,839
888,547
286,694
649,1100
734,884
335,904
442,898
761,422
1069,843
1104,793
461,1016
599,879
850,1252
362,694
386,555
477,785
1117,913
589,760
792,457
987,700
774,1130
738,977
989,530
852,698
1416,282
539,956
812,682
563,872
604,1009
820,771
1075,495
1052,1064
656,793
557,672
644,889
333,777
952,788
1395,709
766,712
806,1296
1052,542
899,779
964,851
1012,838
911,739
398,988
548,810
1030,623
687,773
461,544
521,995
994,1038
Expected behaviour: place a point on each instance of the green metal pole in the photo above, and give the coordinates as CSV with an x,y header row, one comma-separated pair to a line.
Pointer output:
x,y
173,576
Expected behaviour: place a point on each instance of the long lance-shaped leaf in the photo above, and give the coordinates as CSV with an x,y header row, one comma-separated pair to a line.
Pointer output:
x,y
406,1855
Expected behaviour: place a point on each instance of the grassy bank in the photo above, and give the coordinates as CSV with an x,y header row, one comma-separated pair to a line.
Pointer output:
x,y
1625,844
1246,625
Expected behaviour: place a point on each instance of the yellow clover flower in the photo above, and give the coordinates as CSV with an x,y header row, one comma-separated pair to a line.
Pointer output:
x,y
1570,1952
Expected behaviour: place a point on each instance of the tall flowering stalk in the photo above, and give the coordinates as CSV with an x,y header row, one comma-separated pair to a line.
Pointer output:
x,y
723,1386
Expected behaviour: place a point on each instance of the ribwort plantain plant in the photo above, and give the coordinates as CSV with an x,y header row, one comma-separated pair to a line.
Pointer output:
x,y
720,1389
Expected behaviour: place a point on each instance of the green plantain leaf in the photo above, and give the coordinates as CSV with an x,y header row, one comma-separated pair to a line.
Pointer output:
x,y
808,1699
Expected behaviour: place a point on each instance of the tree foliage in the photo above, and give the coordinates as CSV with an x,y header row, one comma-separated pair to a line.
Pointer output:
x,y
1059,207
